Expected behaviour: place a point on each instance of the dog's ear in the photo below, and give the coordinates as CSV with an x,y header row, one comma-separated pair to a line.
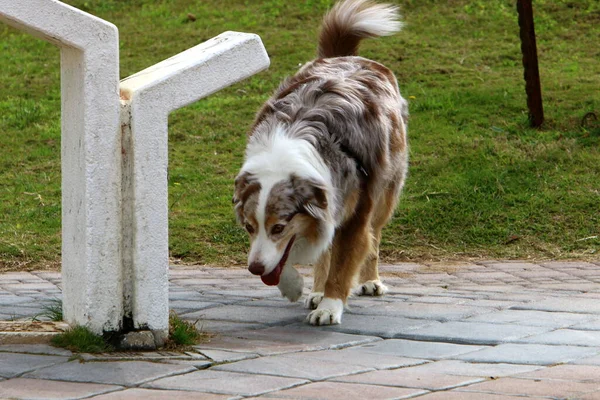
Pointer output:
x,y
311,197
245,184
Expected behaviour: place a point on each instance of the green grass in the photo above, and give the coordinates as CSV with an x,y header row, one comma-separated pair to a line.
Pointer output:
x,y
183,333
52,310
481,184
81,340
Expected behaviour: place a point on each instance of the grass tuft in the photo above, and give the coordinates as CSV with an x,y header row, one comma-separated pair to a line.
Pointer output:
x,y
52,310
183,333
81,340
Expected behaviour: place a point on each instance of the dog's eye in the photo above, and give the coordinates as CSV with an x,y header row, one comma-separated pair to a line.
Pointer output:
x,y
277,229
250,229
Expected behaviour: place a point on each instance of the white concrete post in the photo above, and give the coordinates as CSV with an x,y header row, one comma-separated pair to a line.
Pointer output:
x,y
91,156
147,99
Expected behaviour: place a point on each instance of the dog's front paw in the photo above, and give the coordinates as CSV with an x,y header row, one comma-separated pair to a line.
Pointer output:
x,y
371,288
329,312
291,283
313,300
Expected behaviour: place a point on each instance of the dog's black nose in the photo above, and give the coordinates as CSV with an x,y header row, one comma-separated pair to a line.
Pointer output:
x,y
256,268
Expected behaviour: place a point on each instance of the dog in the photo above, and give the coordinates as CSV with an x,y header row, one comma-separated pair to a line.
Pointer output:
x,y
325,162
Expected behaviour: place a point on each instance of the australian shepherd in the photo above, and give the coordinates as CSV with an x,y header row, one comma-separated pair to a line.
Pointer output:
x,y
325,162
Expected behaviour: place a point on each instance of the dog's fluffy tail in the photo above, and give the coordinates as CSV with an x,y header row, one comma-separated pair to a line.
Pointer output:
x,y
350,21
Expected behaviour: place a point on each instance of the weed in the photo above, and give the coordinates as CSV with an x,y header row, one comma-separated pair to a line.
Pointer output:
x,y
183,333
52,310
81,340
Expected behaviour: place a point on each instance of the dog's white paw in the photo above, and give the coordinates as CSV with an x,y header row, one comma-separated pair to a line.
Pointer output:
x,y
313,300
329,312
291,283
371,288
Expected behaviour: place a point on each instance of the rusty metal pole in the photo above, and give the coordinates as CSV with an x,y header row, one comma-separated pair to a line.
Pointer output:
x,y
530,63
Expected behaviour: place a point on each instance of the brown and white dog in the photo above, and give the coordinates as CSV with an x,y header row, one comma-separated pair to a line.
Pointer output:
x,y
325,163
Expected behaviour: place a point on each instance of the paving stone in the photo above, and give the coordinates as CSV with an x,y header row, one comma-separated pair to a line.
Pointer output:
x,y
35,349
12,300
287,339
153,394
378,325
531,318
20,388
566,337
595,360
457,395
416,349
484,370
472,332
360,356
442,312
13,364
222,382
191,304
127,373
255,315
570,304
582,373
216,327
345,391
293,366
222,356
410,378
537,354
552,388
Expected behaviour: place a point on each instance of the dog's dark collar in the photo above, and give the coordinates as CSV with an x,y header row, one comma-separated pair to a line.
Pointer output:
x,y
359,166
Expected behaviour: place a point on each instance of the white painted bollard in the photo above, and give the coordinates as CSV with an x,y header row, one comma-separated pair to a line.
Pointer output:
x,y
90,156
148,97
115,159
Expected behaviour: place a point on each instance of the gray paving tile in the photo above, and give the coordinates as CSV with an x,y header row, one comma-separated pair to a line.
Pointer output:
x,y
14,364
255,315
223,356
472,332
417,349
287,339
384,326
127,373
484,370
12,300
294,366
570,304
441,312
20,388
410,378
536,354
35,349
362,357
531,318
565,337
211,326
153,394
592,325
345,391
222,382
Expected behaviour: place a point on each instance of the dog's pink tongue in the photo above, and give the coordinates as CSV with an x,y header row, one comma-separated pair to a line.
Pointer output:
x,y
272,279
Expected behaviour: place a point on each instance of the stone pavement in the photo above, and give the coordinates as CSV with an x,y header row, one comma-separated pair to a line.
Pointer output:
x,y
486,330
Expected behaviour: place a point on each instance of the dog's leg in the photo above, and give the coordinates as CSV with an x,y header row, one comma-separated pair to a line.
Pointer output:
x,y
369,282
320,270
350,246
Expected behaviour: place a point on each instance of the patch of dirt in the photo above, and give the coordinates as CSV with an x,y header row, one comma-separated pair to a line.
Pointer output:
x,y
32,326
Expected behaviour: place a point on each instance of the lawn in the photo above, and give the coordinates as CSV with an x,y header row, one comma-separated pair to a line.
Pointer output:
x,y
482,183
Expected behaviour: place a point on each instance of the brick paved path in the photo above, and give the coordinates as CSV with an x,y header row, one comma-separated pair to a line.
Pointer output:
x,y
491,330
